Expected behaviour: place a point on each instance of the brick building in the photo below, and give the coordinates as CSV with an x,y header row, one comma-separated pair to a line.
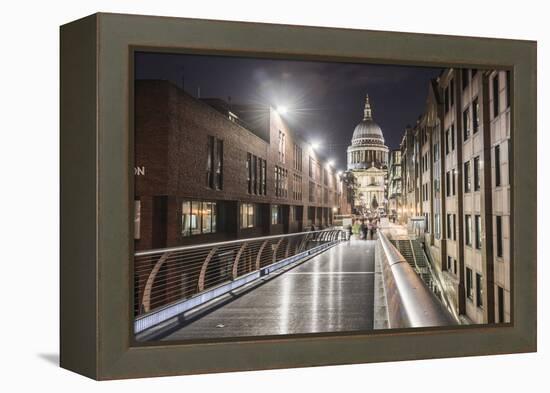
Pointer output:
x,y
456,175
208,171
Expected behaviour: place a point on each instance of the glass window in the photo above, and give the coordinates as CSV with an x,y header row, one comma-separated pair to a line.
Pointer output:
x,y
137,219
198,217
479,290
249,171
219,165
275,214
496,92
469,284
467,179
248,215
478,231
499,235
497,166
475,115
206,216
453,181
477,177
186,218
466,123
210,161
195,223
468,230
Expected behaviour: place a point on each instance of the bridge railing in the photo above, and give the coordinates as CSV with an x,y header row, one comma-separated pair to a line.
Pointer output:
x,y
170,281
409,302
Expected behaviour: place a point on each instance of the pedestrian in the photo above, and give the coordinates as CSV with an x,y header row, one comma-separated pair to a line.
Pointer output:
x,y
362,230
365,231
371,230
350,230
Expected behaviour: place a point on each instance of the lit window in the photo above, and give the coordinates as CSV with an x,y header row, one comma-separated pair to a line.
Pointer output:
x,y
137,219
198,217
248,215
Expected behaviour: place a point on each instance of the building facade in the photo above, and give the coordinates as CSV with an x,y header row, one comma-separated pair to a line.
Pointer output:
x,y
206,172
368,161
394,184
456,170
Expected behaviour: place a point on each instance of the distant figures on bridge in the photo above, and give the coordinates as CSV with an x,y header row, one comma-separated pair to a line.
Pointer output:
x,y
364,228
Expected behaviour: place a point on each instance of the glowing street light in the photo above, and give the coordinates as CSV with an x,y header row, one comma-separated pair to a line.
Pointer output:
x,y
315,145
339,173
330,163
282,110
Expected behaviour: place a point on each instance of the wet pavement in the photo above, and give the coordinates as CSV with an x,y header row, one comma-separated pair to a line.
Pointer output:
x,y
332,292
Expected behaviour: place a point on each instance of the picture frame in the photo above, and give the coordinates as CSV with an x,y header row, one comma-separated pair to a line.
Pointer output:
x,y
97,195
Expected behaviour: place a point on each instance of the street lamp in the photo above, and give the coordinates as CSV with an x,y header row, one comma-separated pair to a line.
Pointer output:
x,y
315,145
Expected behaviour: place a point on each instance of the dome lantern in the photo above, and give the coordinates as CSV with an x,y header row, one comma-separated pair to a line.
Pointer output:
x,y
368,110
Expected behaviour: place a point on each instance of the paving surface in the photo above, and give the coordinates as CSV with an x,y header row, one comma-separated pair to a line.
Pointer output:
x,y
332,292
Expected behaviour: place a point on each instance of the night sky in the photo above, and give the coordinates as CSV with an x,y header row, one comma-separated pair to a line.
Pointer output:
x,y
325,100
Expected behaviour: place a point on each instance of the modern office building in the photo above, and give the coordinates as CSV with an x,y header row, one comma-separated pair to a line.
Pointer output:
x,y
456,178
368,161
206,170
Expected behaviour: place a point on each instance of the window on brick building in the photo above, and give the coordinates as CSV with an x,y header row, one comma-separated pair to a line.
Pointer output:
x,y
198,217
137,219
248,215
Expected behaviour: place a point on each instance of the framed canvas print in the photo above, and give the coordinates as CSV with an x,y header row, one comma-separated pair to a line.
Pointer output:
x,y
239,196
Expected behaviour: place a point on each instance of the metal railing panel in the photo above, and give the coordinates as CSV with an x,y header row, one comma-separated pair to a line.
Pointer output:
x,y
179,278
410,302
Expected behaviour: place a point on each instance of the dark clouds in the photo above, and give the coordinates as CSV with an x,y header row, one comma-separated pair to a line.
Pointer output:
x,y
325,100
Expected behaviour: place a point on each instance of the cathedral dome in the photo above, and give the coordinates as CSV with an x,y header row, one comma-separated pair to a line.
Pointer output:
x,y
367,131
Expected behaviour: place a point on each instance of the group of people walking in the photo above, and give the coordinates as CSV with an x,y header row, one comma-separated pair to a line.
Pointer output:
x,y
365,229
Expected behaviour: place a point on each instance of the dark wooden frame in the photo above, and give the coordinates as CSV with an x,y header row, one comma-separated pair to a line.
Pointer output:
x,y
97,191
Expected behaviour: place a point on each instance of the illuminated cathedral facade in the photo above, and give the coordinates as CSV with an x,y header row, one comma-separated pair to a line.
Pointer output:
x,y
367,158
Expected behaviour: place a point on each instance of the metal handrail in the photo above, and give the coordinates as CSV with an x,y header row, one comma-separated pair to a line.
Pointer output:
x,y
410,303
165,276
228,242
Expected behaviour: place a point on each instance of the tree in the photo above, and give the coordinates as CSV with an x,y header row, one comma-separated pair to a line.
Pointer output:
x,y
374,203
350,182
